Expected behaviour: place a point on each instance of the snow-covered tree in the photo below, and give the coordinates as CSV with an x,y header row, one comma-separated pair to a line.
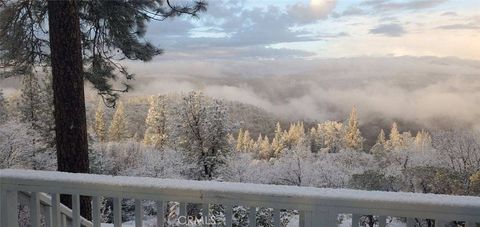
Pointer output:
x,y
13,105
241,167
201,128
156,121
239,145
46,112
295,135
18,151
332,134
30,103
3,107
353,136
245,143
277,141
265,149
165,164
249,143
460,149
35,106
378,148
475,182
395,138
423,140
99,126
407,140
118,126
381,139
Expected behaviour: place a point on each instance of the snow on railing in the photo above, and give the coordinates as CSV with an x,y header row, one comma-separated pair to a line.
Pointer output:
x,y
317,207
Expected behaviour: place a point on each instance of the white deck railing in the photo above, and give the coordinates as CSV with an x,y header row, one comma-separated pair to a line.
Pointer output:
x,y
317,207
45,206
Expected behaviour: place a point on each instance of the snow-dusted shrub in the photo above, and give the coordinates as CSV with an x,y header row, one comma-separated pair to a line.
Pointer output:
x,y
22,147
160,164
116,157
241,167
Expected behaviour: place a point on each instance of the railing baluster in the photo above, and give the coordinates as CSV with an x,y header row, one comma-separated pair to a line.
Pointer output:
x,y
356,220
182,218
306,218
327,219
470,224
382,221
276,217
35,209
410,222
332,220
64,220
228,215
161,214
76,210
138,213
117,212
9,208
205,213
440,223
47,211
3,207
324,217
252,217
55,210
96,211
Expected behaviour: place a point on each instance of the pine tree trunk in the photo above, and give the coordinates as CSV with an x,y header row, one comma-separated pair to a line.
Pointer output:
x,y
69,98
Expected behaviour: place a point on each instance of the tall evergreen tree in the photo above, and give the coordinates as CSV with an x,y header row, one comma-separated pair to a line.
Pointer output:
x,y
395,138
46,112
118,127
381,139
277,141
295,135
353,136
315,143
29,105
99,126
240,137
332,135
266,151
379,147
423,140
156,134
248,142
96,33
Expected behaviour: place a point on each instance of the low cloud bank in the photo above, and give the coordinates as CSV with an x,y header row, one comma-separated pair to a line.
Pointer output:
x,y
421,90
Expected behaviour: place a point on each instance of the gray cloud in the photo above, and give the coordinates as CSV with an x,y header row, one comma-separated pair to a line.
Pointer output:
x,y
231,25
450,14
303,13
389,5
460,27
468,23
372,7
389,30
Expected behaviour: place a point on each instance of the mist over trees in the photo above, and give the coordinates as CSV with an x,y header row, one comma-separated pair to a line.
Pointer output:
x,y
193,136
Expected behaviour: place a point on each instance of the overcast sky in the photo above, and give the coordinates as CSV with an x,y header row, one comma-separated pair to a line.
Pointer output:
x,y
275,29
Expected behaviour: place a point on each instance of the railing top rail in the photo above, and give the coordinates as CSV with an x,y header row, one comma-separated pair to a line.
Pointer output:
x,y
97,184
